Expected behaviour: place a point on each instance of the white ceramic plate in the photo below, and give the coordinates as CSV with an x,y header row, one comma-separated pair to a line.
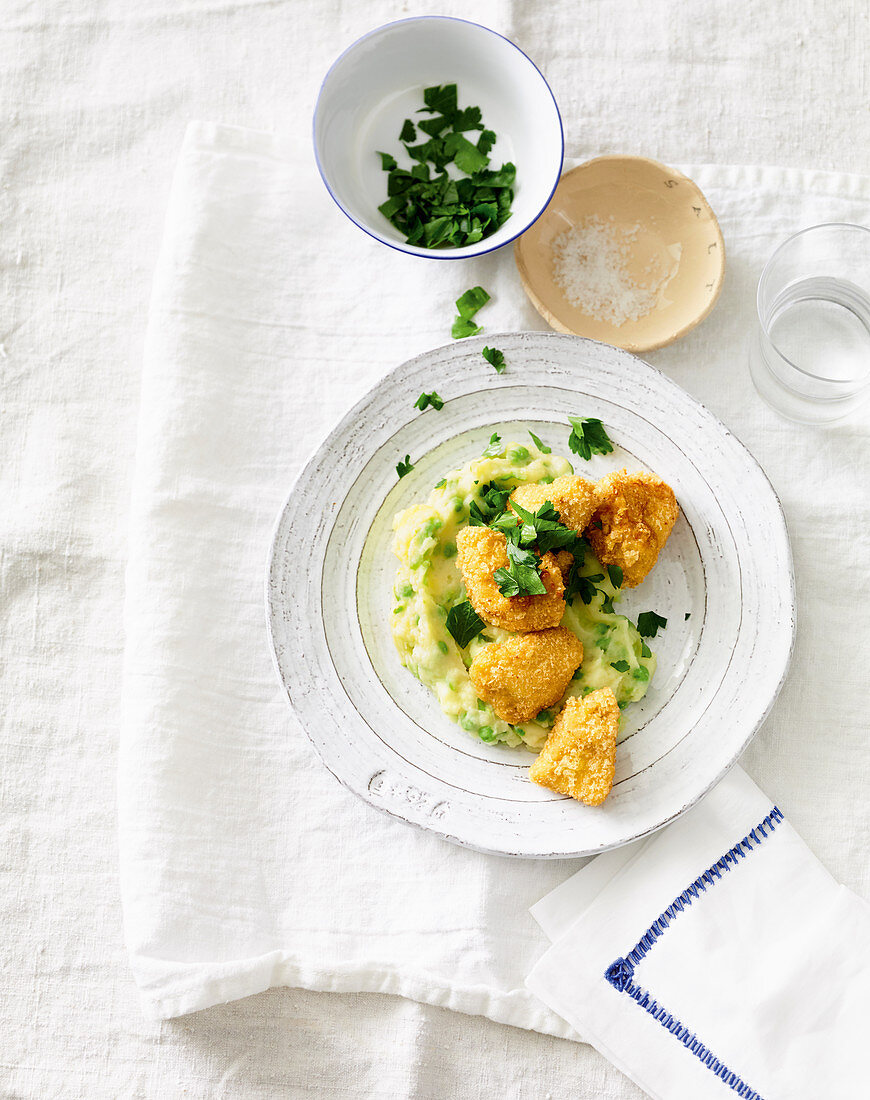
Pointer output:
x,y
727,566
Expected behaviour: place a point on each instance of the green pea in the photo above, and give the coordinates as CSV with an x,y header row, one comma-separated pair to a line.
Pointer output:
x,y
486,733
641,673
407,590
518,455
468,723
443,647
458,504
449,549
431,527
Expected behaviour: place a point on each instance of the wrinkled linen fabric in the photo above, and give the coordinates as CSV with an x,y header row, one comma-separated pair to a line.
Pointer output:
x,y
97,95
244,864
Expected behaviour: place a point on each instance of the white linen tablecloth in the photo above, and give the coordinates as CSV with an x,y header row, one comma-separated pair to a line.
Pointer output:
x,y
243,863
98,96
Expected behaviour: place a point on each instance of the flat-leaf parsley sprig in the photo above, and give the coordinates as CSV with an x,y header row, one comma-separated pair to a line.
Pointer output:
x,y
464,623
588,437
495,358
427,399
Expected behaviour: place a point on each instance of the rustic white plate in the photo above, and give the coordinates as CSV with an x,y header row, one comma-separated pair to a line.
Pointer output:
x,y
724,583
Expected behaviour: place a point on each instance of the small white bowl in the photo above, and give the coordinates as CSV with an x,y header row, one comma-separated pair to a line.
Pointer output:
x,y
378,82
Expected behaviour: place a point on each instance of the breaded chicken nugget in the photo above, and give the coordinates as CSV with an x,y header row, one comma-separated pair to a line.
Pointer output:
x,y
564,559
579,756
525,674
574,498
634,516
479,552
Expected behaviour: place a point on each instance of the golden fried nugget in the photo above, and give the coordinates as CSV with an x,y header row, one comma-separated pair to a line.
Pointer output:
x,y
564,559
574,498
479,552
579,756
525,674
634,516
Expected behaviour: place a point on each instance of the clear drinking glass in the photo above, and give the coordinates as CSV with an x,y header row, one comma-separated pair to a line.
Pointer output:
x,y
810,355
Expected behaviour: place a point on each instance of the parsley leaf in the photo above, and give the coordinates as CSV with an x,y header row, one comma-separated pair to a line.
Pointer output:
x,y
615,574
495,358
462,328
620,666
545,527
521,578
687,615
492,504
427,399
542,447
588,436
649,623
495,446
441,99
408,133
464,623
470,302
388,162
405,467
584,588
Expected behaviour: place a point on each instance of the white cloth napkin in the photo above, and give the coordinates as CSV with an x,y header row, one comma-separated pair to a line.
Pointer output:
x,y
244,864
717,955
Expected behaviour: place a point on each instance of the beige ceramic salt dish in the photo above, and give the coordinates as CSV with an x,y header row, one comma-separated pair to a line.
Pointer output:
x,y
670,251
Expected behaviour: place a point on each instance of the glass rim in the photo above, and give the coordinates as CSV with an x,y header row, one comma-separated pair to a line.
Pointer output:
x,y
762,281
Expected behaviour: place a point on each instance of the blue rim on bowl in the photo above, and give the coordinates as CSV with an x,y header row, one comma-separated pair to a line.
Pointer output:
x,y
483,247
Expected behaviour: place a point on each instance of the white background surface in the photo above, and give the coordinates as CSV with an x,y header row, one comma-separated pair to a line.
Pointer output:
x,y
96,99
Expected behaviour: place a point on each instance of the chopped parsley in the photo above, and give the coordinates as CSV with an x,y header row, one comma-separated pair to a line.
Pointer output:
x,y
620,666
495,446
649,623
521,578
687,615
468,304
464,623
543,527
405,467
542,447
645,650
615,574
427,399
588,437
495,358
424,203
492,503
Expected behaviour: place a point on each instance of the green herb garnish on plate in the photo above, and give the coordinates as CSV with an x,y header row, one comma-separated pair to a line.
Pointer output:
x,y
495,358
464,623
427,399
649,624
588,437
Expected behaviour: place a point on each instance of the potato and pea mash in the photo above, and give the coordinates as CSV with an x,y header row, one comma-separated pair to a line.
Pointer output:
x,y
433,538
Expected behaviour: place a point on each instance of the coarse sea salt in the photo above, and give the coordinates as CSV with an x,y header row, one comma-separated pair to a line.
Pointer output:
x,y
589,264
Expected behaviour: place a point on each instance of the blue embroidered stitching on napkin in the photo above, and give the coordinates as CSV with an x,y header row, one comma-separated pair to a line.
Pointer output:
x,y
620,973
